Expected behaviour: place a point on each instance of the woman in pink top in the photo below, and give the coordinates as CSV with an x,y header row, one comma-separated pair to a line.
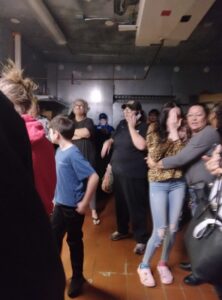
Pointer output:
x,y
19,90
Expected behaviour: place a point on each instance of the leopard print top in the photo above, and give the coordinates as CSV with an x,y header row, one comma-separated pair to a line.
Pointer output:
x,y
158,151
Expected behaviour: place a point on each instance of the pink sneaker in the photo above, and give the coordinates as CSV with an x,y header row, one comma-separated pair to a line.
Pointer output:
x,y
146,277
166,276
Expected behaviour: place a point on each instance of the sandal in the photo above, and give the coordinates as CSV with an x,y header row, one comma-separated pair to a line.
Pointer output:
x,y
96,221
146,277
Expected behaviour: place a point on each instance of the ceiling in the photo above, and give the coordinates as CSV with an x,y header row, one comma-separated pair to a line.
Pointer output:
x,y
139,33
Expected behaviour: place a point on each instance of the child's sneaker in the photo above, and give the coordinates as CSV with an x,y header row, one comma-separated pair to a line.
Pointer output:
x,y
166,276
146,277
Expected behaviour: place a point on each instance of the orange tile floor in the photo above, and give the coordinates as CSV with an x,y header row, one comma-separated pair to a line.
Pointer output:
x,y
110,267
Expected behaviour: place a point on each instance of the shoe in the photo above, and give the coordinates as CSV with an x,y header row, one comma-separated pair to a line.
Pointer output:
x,y
116,236
75,287
139,248
96,221
185,266
192,280
166,276
146,277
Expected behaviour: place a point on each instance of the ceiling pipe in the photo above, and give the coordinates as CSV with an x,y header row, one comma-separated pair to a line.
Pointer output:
x,y
47,21
18,49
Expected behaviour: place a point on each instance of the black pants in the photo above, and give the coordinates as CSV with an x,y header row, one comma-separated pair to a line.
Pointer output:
x,y
131,200
66,220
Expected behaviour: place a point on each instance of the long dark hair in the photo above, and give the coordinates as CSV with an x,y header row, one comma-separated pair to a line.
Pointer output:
x,y
218,112
162,123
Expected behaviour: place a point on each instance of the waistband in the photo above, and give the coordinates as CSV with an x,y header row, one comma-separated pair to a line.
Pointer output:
x,y
197,186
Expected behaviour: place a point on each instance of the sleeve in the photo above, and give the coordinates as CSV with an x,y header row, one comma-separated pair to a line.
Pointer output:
x,y
115,132
81,166
196,147
143,129
90,126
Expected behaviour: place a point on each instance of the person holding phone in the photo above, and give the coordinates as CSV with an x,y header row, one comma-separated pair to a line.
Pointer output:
x,y
129,173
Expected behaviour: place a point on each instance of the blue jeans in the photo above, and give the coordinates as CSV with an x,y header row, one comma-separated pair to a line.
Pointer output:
x,y
166,202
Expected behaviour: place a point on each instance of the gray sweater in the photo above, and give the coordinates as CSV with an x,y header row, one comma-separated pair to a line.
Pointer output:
x,y
191,156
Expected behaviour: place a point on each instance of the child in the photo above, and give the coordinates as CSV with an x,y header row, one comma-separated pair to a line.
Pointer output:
x,y
76,184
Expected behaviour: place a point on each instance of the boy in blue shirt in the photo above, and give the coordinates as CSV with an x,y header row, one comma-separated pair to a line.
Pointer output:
x,y
76,183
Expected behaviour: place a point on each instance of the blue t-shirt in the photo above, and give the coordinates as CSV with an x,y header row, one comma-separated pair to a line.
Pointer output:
x,y
72,171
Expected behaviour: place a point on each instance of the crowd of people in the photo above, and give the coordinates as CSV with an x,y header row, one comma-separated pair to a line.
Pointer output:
x,y
155,160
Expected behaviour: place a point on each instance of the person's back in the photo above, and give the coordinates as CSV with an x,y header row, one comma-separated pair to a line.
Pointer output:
x,y
19,91
31,268
76,183
43,158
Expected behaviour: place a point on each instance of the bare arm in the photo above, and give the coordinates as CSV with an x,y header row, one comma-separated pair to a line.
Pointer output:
x,y
106,147
81,133
91,187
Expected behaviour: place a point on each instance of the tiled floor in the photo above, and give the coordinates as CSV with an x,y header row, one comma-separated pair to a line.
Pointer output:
x,y
110,267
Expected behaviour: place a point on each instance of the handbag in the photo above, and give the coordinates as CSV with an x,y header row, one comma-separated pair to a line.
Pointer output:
x,y
203,237
107,181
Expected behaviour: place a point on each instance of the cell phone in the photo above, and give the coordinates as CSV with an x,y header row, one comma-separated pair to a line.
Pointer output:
x,y
211,150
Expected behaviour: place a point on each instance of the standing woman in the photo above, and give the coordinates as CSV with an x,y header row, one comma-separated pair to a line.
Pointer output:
x,y
129,172
84,139
19,91
167,191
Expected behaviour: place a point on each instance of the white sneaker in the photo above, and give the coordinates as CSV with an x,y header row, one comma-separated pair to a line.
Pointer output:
x,y
166,276
146,277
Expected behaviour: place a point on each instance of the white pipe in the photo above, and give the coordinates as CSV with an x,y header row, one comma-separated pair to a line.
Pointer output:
x,y
18,48
46,20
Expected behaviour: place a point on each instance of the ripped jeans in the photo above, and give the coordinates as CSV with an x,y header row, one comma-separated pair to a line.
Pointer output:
x,y
166,202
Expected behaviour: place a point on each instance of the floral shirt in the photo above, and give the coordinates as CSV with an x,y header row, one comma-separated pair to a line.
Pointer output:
x,y
158,151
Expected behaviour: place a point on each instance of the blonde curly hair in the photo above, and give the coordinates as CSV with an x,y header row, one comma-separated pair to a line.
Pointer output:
x,y
18,89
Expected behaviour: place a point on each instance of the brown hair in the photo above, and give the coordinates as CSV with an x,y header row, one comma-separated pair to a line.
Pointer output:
x,y
18,89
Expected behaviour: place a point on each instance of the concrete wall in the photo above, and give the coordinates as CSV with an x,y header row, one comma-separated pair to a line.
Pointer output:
x,y
6,42
99,83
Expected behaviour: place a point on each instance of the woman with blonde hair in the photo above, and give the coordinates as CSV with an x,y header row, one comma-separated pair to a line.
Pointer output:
x,y
19,91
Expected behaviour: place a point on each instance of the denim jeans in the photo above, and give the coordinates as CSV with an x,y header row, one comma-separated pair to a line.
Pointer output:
x,y
166,202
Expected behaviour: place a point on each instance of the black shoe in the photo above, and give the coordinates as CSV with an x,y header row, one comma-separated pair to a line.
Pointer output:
x,y
185,266
192,280
139,248
75,287
116,236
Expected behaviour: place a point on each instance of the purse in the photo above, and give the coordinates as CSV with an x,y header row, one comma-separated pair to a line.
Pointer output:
x,y
107,181
203,237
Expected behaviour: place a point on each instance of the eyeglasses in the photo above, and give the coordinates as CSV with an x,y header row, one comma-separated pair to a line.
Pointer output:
x,y
79,105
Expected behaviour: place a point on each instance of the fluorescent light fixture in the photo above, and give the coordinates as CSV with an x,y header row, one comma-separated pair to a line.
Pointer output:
x,y
46,20
96,96
127,27
15,20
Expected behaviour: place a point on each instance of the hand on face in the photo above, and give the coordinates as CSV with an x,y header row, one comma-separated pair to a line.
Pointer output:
x,y
130,116
174,119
